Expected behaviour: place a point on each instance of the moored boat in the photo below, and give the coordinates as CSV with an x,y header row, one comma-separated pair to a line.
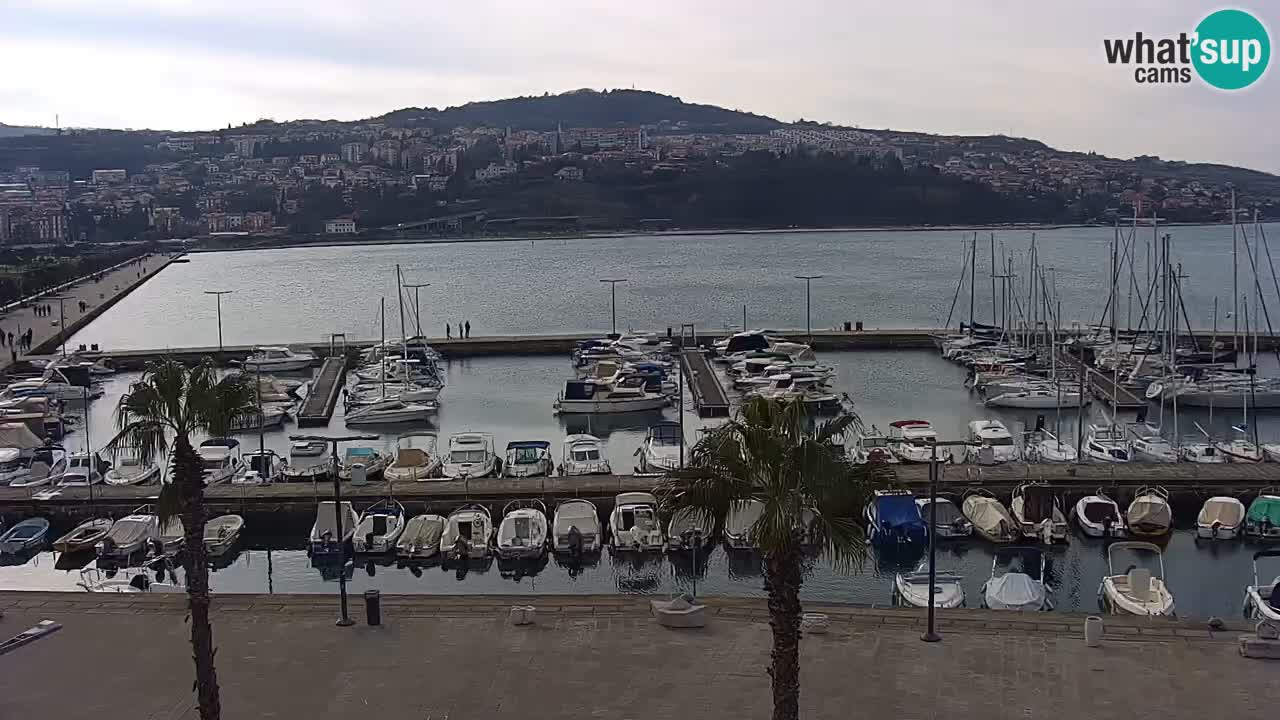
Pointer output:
x,y
1038,513
471,456
325,541
912,589
379,527
1099,516
421,537
416,459
633,524
1263,518
1262,600
84,536
1150,513
522,534
24,536
221,533
1220,518
576,528
528,458
1017,581
468,535
1137,591
129,534
583,455
990,518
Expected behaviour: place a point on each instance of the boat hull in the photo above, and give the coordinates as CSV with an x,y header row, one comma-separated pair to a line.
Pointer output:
x,y
615,406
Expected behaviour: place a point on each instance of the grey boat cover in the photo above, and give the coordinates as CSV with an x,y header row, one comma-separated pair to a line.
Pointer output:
x,y
1014,591
18,435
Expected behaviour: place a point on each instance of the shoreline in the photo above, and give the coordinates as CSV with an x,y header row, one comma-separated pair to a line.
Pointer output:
x,y
341,241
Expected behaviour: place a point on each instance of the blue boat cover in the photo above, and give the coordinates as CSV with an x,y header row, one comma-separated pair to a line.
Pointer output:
x,y
897,511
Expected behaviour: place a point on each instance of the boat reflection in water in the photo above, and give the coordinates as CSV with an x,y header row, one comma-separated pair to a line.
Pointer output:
x,y
637,573
603,425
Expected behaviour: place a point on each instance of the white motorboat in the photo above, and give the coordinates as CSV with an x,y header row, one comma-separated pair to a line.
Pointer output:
x,y
467,534
951,523
1045,447
277,358
171,536
261,467
588,396
269,417
1137,591
662,448
128,580
522,534
416,459
1046,398
1150,513
421,537
528,458
24,536
1201,452
45,467
576,528
408,392
1038,513
84,469
584,455
1221,518
130,470
1148,445
52,384
221,533
360,462
686,531
804,388
990,518
379,527
1262,601
1099,516
908,441
84,536
129,534
325,539
992,443
738,523
307,448
633,524
1107,444
220,460
390,412
872,447
1017,581
911,589
470,456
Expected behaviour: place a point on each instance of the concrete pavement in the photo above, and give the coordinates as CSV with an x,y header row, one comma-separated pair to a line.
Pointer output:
x,y
602,656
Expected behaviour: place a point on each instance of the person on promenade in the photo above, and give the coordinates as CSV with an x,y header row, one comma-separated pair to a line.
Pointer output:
x,y
11,338
468,329
448,331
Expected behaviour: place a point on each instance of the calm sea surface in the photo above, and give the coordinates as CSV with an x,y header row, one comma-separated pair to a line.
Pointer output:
x,y
885,279
511,397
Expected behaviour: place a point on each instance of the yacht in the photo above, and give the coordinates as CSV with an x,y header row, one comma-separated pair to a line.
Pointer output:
x,y
528,458
277,358
220,460
587,396
662,448
261,467
908,438
576,528
467,535
792,388
52,384
1039,398
390,412
1107,444
633,524
379,527
992,443
416,459
470,456
522,534
584,455
406,392
1099,516
1149,445
1136,591
84,469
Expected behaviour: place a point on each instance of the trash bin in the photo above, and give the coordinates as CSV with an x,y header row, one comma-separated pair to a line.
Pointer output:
x,y
373,607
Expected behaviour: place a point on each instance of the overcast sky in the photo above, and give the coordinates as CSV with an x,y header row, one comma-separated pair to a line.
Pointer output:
x,y
932,65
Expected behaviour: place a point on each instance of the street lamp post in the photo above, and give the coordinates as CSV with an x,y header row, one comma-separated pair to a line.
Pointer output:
x,y
808,324
417,310
931,634
218,294
613,304
344,620
62,323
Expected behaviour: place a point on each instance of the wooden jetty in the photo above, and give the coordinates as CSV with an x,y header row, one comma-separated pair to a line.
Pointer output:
x,y
708,394
1116,395
318,407
1187,482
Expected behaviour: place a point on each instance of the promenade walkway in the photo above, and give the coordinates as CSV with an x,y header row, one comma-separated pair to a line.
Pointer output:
x,y
97,295
602,656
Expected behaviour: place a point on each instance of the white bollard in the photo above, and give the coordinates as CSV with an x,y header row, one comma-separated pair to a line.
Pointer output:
x,y
1093,631
522,614
815,623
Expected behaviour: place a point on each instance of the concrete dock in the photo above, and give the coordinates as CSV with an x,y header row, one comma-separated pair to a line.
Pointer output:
x,y
457,657
98,295
323,395
708,394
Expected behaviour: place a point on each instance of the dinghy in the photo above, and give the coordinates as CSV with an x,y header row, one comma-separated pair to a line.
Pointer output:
x,y
576,528
421,537
84,536
989,516
325,540
911,589
1099,516
1220,518
24,537
1150,514
1017,581
221,533
522,534
1136,591
379,527
1262,602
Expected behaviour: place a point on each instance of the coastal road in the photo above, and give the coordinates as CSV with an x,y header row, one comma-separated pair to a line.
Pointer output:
x,y
96,294
457,657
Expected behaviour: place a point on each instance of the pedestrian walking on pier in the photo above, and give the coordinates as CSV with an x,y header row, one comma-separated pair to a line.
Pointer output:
x,y
448,331
468,329
11,339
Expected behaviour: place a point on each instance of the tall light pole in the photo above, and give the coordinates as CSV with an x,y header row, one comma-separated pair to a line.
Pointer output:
x,y
931,634
218,294
613,304
344,620
808,325
62,323
417,311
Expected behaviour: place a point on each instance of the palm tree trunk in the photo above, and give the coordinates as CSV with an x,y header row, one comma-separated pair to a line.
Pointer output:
x,y
195,565
782,573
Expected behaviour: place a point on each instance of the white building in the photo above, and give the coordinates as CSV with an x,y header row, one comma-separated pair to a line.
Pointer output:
x,y
340,226
108,177
495,171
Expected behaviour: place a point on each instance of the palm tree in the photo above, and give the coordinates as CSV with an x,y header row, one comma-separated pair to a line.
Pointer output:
x,y
811,497
172,404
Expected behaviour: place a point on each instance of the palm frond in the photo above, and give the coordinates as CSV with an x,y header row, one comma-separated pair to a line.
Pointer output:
x,y
214,403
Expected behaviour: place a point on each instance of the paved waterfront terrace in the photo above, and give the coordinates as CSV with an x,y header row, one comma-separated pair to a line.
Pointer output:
x,y
457,657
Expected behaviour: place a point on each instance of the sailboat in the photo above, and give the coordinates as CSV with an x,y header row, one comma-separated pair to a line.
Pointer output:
x,y
1242,449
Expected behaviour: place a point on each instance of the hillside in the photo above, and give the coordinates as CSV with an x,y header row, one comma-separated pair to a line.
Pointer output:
x,y
19,130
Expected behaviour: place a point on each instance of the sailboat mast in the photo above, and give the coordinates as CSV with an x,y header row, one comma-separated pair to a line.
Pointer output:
x,y
994,320
1235,273
382,321
973,278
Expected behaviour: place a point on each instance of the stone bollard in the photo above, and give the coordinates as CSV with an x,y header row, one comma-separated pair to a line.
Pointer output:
x,y
814,623
522,614
1093,631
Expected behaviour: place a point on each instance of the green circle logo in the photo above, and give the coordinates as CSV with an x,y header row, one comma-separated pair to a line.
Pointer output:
x,y
1232,49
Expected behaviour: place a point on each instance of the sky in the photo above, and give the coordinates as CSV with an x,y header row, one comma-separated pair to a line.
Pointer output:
x,y
1031,69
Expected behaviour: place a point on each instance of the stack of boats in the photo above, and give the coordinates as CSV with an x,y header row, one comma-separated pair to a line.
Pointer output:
x,y
760,364
395,383
627,374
